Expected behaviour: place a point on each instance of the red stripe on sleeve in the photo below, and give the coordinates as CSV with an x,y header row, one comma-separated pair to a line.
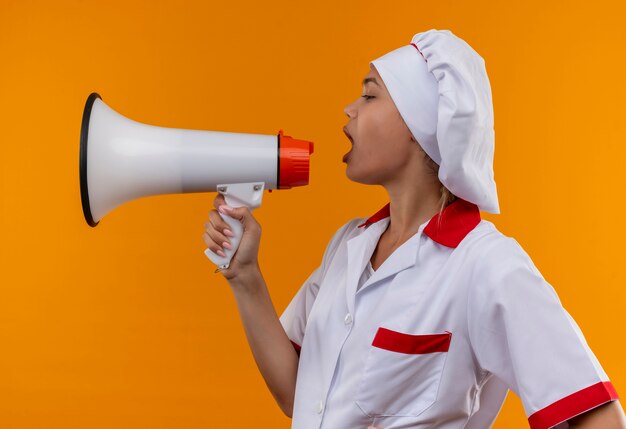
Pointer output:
x,y
573,405
297,347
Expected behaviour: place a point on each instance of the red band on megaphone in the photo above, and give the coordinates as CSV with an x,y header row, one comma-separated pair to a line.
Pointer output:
x,y
293,160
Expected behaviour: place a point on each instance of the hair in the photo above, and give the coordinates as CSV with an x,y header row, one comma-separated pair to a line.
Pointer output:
x,y
446,196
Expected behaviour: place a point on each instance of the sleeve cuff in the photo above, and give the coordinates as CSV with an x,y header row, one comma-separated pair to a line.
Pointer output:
x,y
573,405
297,347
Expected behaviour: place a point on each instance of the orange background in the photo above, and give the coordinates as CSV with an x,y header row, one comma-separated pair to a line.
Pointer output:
x,y
126,325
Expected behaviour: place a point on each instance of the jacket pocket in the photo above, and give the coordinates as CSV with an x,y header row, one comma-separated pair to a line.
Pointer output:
x,y
402,372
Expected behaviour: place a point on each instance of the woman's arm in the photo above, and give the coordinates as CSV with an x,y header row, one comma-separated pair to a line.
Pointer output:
x,y
606,416
273,352
272,349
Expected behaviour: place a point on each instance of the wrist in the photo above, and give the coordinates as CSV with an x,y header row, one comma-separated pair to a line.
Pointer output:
x,y
245,276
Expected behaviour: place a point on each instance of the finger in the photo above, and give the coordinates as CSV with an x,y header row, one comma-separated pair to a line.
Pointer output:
x,y
218,239
219,200
242,214
214,232
211,245
218,222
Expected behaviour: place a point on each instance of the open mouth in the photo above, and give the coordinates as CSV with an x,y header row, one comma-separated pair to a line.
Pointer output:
x,y
346,156
345,130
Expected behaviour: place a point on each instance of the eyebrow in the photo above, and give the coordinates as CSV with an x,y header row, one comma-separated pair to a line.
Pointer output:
x,y
369,79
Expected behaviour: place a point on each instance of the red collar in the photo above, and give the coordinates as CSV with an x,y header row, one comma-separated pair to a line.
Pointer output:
x,y
457,219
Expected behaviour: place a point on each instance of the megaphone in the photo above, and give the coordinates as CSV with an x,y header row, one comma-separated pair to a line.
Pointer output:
x,y
122,160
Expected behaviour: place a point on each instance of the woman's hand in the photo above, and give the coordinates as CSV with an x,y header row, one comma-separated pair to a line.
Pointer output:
x,y
218,232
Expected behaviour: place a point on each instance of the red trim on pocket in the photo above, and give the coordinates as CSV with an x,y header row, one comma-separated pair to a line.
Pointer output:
x,y
572,405
411,344
297,347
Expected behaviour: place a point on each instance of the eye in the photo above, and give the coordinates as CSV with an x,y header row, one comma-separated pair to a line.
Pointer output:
x,y
367,97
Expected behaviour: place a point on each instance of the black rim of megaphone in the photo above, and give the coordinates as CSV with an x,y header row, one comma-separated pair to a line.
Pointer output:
x,y
84,135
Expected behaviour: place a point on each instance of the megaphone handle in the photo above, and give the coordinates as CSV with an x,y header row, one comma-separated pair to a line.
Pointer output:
x,y
236,227
236,195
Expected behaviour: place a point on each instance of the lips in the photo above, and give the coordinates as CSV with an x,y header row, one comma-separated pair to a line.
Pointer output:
x,y
345,130
345,157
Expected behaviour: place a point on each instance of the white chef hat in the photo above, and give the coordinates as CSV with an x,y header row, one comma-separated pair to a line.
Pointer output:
x,y
439,85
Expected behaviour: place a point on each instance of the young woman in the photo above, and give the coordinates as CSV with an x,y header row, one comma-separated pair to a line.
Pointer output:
x,y
422,315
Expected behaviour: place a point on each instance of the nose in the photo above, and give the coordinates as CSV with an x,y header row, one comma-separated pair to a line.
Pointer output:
x,y
350,110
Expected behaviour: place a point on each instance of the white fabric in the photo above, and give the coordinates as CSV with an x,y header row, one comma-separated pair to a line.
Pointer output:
x,y
367,273
441,89
508,331
414,90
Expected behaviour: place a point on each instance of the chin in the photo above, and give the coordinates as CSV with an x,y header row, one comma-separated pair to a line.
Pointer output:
x,y
363,177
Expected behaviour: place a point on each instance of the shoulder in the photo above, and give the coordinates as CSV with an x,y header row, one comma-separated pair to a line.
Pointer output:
x,y
493,256
503,284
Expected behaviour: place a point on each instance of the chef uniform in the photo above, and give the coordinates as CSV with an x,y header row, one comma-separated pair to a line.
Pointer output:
x,y
458,314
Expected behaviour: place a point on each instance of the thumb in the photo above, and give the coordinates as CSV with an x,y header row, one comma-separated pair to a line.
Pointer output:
x,y
242,214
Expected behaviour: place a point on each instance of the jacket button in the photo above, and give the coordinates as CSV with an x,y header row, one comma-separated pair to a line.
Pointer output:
x,y
319,407
348,319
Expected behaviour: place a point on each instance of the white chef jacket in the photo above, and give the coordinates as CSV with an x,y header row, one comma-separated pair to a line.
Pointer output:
x,y
452,319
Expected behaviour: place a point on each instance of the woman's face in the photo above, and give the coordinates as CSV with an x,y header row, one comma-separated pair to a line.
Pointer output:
x,y
382,144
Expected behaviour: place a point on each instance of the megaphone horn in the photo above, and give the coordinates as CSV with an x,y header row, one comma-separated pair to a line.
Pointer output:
x,y
122,160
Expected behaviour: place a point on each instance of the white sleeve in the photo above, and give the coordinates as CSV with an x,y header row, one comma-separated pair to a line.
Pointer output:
x,y
521,333
296,313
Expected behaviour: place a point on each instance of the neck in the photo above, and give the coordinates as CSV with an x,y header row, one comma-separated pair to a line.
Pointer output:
x,y
409,208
